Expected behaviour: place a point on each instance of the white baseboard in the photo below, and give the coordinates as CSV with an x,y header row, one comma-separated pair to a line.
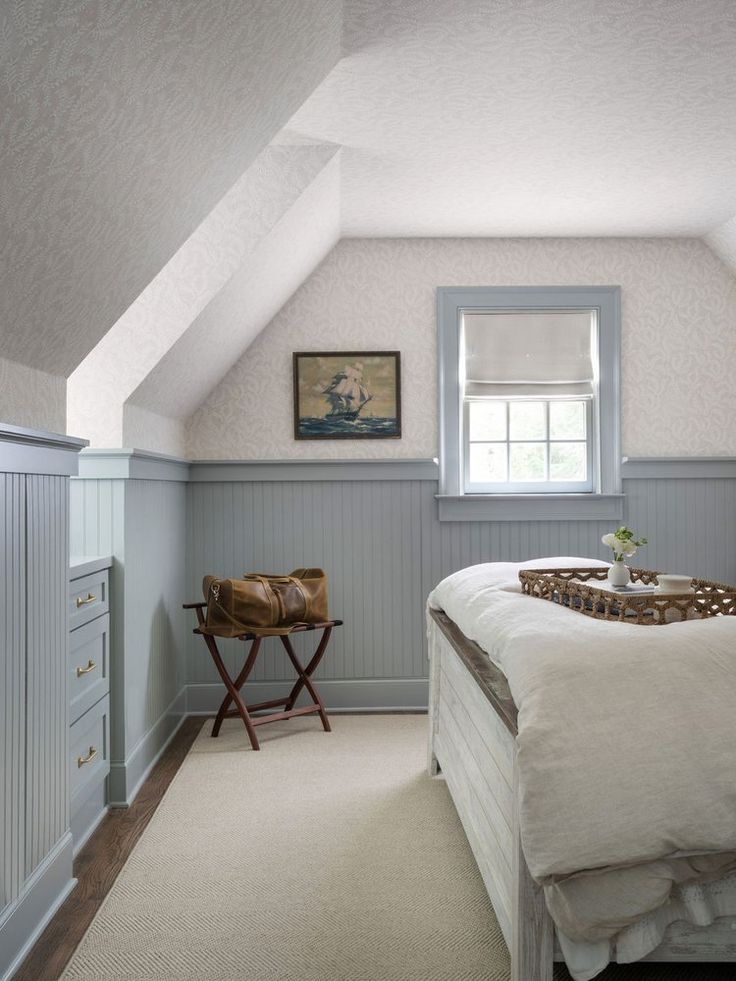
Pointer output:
x,y
26,919
365,694
127,777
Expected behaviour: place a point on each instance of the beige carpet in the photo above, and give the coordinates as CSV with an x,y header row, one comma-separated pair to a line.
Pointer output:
x,y
325,857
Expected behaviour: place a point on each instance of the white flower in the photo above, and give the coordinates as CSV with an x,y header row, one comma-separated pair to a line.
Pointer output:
x,y
622,547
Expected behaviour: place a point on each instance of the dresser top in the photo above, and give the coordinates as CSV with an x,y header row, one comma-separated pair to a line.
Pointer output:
x,y
85,566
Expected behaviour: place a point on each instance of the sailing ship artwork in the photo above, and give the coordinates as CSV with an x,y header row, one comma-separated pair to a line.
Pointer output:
x,y
347,395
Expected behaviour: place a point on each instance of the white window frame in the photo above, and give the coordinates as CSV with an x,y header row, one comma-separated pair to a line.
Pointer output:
x,y
604,500
538,486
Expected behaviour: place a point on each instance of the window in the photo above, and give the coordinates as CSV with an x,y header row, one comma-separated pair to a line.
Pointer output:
x,y
528,386
527,445
529,402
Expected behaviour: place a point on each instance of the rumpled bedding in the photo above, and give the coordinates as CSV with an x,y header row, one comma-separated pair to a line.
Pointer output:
x,y
626,746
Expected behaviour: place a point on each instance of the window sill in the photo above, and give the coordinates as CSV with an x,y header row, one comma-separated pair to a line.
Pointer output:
x,y
531,507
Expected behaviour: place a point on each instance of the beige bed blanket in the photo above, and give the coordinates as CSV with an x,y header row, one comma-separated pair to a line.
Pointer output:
x,y
627,745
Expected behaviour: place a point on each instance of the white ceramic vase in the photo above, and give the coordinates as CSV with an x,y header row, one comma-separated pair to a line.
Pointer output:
x,y
618,574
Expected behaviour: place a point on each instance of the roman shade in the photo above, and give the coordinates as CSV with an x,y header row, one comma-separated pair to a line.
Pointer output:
x,y
543,354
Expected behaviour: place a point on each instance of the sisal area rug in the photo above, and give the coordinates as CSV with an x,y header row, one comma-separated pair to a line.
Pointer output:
x,y
325,857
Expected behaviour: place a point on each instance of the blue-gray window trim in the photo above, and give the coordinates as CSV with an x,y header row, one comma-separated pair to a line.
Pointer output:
x,y
452,303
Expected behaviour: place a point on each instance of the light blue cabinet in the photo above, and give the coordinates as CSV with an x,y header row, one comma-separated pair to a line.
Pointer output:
x,y
89,695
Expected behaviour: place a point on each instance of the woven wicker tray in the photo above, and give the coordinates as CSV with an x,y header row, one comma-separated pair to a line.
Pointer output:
x,y
577,589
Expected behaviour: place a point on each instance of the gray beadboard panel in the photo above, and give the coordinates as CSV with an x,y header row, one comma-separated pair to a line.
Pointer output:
x,y
47,560
154,622
366,535
449,546
690,524
384,549
12,695
97,517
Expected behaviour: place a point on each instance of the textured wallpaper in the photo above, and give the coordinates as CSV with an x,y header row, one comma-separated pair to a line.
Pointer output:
x,y
32,398
678,359
223,244
146,430
122,124
301,238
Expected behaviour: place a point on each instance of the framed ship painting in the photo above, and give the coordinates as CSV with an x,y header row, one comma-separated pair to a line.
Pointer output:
x,y
347,395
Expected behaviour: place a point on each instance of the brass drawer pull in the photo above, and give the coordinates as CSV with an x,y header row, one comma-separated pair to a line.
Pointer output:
x,y
83,602
81,760
90,667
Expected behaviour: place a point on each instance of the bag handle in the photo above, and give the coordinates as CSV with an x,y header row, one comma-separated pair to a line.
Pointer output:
x,y
268,579
274,600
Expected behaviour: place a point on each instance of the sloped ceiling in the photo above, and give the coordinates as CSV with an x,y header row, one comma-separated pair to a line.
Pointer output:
x,y
233,231
253,296
723,242
128,129
532,118
122,124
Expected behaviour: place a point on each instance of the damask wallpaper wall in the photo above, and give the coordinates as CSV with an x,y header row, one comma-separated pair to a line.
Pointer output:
x,y
678,357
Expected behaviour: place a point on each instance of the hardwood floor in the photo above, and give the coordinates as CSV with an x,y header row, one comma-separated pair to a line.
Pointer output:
x,y
100,861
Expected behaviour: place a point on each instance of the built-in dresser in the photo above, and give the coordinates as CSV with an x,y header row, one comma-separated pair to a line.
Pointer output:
x,y
89,694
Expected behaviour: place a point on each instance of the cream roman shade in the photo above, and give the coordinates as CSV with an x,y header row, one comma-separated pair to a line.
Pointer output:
x,y
529,353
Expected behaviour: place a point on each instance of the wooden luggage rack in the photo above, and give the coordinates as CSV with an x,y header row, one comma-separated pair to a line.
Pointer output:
x,y
234,685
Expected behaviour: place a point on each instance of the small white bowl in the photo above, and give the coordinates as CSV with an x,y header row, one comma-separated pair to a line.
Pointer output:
x,y
667,583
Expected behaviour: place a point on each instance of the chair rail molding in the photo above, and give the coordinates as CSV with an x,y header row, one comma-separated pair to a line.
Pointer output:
x,y
131,464
35,451
678,467
204,471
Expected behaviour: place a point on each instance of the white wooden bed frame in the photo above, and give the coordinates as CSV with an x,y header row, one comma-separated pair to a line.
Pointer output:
x,y
473,743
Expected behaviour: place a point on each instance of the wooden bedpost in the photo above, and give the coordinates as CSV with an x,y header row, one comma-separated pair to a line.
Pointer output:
x,y
532,948
433,766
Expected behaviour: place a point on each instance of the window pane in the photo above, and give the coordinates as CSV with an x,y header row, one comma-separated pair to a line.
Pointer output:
x,y
526,420
567,461
567,420
527,461
487,420
488,463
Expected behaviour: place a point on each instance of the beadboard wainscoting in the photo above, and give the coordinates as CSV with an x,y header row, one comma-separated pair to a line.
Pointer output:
x,y
372,525
137,514
36,864
378,536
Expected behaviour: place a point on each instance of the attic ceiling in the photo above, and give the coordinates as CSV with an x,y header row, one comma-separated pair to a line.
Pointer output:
x,y
172,170
122,124
533,118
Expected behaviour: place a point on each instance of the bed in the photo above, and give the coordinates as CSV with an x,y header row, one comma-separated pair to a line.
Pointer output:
x,y
480,741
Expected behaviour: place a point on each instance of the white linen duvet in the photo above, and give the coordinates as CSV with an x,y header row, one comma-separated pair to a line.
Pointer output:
x,y
627,757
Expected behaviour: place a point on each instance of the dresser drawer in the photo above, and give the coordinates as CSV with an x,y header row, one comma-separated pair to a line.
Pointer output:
x,y
89,665
89,750
87,598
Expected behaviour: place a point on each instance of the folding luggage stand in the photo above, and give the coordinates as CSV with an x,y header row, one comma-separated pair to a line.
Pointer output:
x,y
234,685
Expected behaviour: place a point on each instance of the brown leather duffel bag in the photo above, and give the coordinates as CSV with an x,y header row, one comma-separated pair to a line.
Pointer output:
x,y
264,604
